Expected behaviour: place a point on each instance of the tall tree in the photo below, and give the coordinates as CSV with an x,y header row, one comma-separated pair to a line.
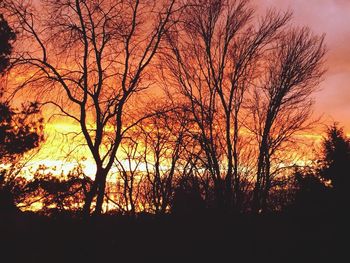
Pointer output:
x,y
7,36
90,59
19,131
214,60
282,104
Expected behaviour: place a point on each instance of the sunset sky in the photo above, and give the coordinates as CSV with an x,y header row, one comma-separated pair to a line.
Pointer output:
x,y
144,105
331,17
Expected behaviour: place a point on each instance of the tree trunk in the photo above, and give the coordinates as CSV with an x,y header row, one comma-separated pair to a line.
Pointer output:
x,y
219,186
267,185
88,199
259,178
101,192
92,193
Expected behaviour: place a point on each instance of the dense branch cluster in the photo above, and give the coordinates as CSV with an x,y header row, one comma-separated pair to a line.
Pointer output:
x,y
235,90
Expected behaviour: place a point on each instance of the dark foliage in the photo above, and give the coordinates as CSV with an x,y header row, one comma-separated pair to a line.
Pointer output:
x,y
20,131
312,196
324,189
336,159
7,36
187,197
56,193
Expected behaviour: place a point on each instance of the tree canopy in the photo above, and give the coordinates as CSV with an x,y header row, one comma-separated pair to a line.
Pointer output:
x,y
336,158
7,35
18,133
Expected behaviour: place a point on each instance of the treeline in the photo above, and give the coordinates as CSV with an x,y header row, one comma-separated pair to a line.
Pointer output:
x,y
236,96
159,189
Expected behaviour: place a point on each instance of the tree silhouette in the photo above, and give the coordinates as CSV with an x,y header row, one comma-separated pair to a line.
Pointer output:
x,y
93,60
282,105
221,63
56,194
312,195
323,187
245,85
7,36
213,62
336,158
18,133
188,199
335,164
164,138
20,130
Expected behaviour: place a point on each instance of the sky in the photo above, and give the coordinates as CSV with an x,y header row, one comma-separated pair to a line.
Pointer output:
x,y
331,17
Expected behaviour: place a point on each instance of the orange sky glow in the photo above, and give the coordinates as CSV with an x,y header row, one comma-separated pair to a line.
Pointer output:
x,y
332,18
332,100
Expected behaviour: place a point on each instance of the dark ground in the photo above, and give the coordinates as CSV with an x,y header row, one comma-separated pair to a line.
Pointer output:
x,y
205,238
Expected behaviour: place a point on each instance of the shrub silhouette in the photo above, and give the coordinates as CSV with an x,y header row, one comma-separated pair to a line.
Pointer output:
x,y
187,197
312,196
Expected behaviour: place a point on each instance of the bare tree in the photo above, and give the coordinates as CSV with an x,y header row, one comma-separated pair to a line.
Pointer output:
x,y
130,175
282,104
89,58
164,139
214,58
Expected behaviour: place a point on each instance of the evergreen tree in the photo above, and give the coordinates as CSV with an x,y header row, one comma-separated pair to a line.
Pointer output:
x,y
7,35
20,130
335,165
